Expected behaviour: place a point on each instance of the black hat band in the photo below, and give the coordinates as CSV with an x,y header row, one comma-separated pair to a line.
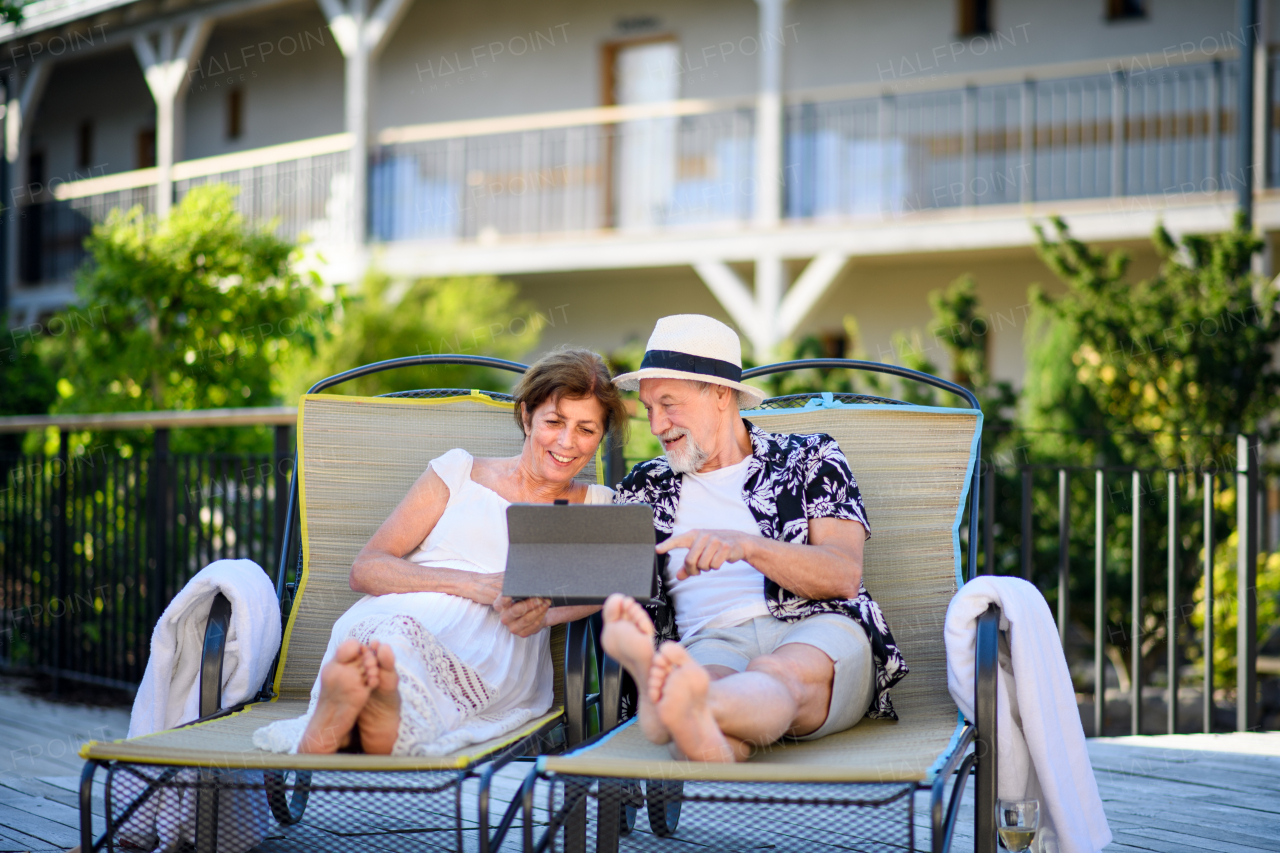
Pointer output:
x,y
666,359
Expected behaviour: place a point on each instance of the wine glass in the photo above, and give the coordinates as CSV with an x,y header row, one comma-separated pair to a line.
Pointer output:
x,y
1017,822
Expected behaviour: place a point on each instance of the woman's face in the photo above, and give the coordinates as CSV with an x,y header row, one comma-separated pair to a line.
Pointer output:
x,y
563,436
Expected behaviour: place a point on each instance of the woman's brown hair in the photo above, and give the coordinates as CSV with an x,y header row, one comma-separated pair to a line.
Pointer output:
x,y
574,373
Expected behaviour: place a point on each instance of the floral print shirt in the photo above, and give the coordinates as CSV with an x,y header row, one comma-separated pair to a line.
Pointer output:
x,y
790,479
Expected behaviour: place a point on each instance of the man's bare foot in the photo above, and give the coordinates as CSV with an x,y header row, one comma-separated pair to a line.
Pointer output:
x,y
344,689
628,638
379,722
678,689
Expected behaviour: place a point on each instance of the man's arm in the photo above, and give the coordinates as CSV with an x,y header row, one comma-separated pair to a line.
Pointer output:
x,y
829,566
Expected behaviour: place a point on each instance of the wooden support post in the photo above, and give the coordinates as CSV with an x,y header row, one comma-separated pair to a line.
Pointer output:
x,y
24,96
166,56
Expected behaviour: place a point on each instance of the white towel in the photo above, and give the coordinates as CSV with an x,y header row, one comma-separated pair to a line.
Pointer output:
x,y
170,696
1040,740
170,690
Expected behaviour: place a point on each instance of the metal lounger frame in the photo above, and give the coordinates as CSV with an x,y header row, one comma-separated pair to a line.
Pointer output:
x,y
960,763
288,802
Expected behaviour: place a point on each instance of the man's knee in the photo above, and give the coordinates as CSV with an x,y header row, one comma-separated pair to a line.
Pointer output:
x,y
797,680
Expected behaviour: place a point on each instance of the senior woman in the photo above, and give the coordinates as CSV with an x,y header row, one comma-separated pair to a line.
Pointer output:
x,y
433,658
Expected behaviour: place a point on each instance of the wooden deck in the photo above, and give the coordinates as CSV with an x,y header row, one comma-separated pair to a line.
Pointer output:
x,y
1172,794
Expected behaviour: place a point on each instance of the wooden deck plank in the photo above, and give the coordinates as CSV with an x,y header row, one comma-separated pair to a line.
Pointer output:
x,y
12,841
1158,798
38,827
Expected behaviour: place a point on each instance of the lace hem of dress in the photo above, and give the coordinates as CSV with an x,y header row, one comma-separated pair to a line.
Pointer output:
x,y
423,727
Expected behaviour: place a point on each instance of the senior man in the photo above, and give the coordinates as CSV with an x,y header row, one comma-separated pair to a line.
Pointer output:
x,y
762,536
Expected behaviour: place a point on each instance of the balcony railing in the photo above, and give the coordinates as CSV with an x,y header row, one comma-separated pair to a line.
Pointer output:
x,y
303,187
1085,136
1087,130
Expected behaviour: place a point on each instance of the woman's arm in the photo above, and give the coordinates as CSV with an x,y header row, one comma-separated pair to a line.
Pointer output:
x,y
530,615
380,567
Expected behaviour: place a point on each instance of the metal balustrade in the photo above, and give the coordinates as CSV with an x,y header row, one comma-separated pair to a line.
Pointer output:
x,y
1114,131
1156,531
1097,136
637,175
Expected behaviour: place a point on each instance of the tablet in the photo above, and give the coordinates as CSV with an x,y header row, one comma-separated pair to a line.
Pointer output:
x,y
580,553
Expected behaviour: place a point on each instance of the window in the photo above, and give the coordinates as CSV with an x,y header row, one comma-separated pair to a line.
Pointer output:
x,y
975,17
84,145
146,148
235,113
1119,10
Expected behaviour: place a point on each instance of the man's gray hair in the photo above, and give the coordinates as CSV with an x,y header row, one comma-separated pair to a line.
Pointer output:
x,y
744,400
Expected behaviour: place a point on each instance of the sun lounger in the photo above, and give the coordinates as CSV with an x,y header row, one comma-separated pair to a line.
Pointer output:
x,y
356,458
916,467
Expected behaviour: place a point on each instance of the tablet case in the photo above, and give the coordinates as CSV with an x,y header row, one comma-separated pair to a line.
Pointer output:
x,y
578,553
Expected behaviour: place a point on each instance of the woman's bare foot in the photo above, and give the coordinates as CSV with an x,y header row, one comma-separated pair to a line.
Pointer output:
x,y
628,638
379,722
344,689
678,689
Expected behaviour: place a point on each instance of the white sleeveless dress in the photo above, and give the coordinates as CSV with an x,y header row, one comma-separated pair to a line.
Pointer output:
x,y
464,678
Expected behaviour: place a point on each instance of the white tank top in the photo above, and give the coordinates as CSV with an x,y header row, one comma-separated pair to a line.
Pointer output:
x,y
472,533
733,593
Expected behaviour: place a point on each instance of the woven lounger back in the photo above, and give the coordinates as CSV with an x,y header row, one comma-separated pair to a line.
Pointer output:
x,y
912,466
358,456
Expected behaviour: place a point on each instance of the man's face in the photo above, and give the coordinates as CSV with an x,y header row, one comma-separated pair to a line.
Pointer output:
x,y
686,417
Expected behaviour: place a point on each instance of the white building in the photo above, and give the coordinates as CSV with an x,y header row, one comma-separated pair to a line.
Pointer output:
x,y
778,164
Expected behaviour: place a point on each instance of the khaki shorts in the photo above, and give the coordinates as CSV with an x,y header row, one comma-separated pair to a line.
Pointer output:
x,y
838,637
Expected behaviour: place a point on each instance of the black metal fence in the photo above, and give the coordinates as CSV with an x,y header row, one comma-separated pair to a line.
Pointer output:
x,y
1127,560
93,547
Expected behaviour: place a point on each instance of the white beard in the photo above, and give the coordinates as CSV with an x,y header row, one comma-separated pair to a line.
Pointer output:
x,y
690,458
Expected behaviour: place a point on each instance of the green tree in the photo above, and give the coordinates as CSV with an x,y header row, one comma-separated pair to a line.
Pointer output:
x,y
1178,363
27,385
1159,373
196,311
464,315
13,11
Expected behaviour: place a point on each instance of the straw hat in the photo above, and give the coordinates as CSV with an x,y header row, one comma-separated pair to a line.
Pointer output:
x,y
691,346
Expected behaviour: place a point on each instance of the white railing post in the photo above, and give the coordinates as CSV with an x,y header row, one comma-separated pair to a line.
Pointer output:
x,y
968,144
1027,192
1119,119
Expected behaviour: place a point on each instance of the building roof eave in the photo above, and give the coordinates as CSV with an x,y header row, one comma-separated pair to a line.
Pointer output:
x,y
48,14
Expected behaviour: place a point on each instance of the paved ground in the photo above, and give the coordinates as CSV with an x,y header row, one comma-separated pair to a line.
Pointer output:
x,y
1165,794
